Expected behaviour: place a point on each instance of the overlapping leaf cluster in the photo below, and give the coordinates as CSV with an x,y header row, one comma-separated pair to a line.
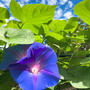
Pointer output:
x,y
69,39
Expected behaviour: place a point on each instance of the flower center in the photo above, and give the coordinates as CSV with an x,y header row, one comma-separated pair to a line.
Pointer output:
x,y
35,69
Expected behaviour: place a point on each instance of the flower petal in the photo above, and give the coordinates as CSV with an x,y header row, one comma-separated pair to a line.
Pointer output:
x,y
23,78
42,54
53,68
46,79
35,46
28,81
13,54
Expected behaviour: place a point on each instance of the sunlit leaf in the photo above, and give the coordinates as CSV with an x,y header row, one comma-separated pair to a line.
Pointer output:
x,y
38,39
32,13
54,35
18,36
4,13
2,22
57,25
34,28
82,9
13,24
71,25
15,9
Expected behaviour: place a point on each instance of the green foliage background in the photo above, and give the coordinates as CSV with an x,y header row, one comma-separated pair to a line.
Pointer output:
x,y
69,39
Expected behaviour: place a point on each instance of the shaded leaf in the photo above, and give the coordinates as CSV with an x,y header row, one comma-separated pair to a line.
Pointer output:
x,y
78,76
78,57
6,82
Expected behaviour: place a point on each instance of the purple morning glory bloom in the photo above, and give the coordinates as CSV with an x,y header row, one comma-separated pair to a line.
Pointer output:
x,y
33,67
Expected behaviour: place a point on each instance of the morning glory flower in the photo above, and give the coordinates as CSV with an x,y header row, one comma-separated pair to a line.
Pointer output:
x,y
33,67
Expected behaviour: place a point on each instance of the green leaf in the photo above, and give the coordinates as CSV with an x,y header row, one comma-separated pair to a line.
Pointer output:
x,y
38,39
32,13
52,42
71,25
52,38
87,34
18,36
85,60
46,28
38,13
52,88
81,77
34,28
79,36
75,60
78,76
2,22
82,9
57,25
54,35
1,54
51,34
18,25
78,57
4,13
6,82
2,42
48,89
15,9
13,24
